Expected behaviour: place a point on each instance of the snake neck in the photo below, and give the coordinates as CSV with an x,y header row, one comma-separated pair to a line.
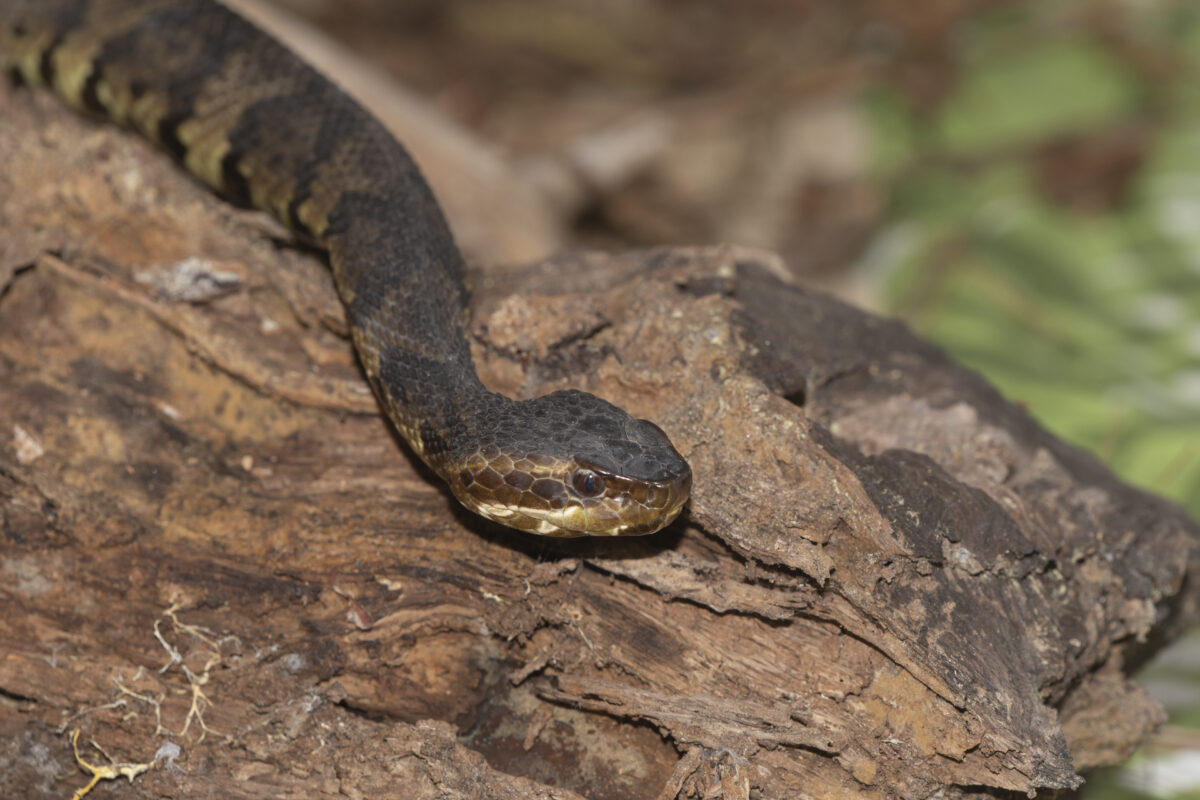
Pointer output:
x,y
400,275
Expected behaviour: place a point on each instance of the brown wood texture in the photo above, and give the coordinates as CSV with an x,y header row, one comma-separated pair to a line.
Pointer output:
x,y
217,561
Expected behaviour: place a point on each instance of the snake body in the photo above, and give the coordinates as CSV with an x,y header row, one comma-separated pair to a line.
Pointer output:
x,y
254,122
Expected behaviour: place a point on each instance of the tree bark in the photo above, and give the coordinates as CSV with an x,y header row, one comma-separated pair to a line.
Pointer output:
x,y
217,561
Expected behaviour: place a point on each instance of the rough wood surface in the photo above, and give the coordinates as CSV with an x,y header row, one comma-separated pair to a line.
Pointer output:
x,y
216,559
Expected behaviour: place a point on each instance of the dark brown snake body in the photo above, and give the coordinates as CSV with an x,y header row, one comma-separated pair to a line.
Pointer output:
x,y
251,120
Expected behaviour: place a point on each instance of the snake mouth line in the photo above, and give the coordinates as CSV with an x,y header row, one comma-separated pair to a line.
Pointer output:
x,y
568,497
580,519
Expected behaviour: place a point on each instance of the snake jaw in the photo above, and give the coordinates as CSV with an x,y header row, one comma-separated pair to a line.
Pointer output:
x,y
537,495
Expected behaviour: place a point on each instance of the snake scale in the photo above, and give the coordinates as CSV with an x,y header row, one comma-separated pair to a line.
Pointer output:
x,y
254,122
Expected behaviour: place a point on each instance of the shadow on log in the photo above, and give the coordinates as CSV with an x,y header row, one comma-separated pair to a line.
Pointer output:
x,y
218,563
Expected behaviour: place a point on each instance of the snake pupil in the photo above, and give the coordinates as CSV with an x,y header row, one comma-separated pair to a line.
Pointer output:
x,y
588,483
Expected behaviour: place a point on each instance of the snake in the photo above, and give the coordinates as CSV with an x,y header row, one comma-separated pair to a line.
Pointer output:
x,y
254,122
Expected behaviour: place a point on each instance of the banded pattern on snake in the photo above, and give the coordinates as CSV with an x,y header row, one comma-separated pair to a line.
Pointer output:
x,y
255,123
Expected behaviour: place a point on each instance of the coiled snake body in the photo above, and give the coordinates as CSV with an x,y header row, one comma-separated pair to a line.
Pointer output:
x,y
250,119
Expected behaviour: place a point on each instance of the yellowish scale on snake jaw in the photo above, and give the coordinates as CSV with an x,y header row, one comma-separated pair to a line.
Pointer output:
x,y
253,121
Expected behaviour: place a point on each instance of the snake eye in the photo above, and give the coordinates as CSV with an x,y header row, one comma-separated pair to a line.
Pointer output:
x,y
587,483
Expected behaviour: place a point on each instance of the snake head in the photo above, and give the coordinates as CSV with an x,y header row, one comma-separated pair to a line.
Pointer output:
x,y
571,464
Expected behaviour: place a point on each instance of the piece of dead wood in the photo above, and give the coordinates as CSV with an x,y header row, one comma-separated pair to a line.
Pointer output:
x,y
890,582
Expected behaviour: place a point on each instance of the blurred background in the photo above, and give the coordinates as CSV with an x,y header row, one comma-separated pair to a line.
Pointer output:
x,y
1018,180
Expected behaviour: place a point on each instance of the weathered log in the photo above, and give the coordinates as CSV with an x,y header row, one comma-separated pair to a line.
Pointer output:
x,y
890,581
